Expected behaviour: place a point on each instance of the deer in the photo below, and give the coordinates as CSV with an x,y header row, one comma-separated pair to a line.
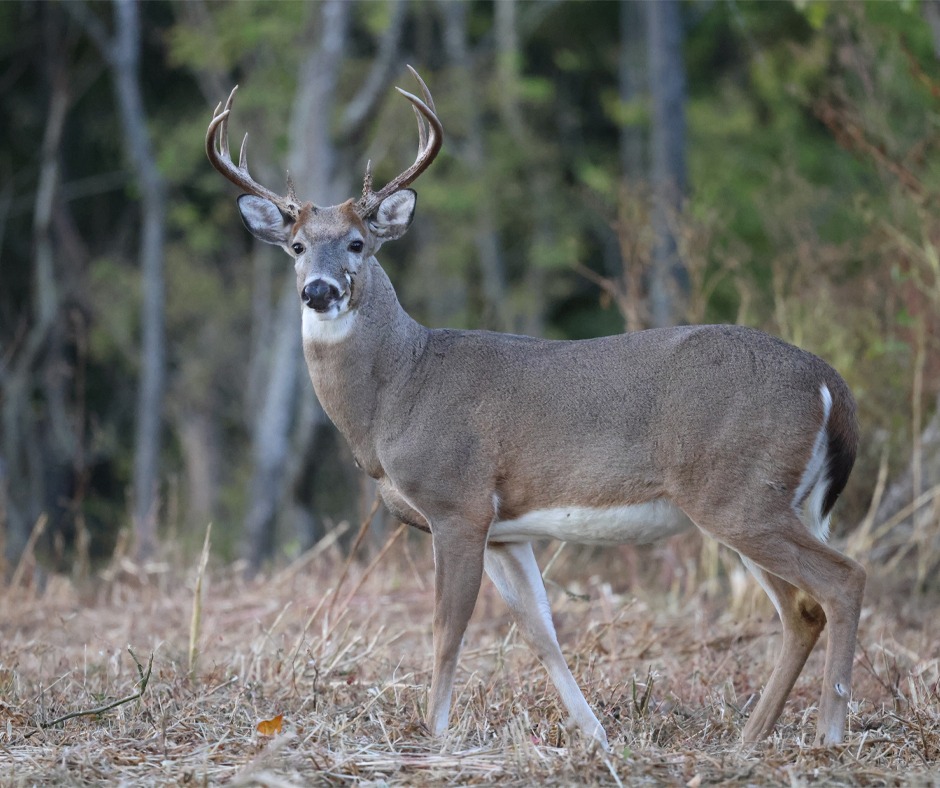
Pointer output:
x,y
488,441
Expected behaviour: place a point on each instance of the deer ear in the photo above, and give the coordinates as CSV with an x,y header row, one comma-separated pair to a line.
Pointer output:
x,y
263,219
393,216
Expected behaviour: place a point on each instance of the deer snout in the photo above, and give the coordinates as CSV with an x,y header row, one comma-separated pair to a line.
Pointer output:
x,y
320,295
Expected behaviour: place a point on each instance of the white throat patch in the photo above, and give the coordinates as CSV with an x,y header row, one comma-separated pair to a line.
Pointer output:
x,y
326,329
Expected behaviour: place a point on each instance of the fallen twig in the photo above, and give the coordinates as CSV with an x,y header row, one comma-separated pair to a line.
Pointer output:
x,y
144,679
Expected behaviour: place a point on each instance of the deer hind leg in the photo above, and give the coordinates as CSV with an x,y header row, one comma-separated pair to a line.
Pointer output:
x,y
515,573
458,571
803,620
781,545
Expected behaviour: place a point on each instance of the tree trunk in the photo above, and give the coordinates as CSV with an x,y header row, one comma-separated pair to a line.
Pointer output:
x,y
631,81
669,283
5,557
289,433
271,435
312,164
39,439
632,296
125,68
530,316
199,440
492,267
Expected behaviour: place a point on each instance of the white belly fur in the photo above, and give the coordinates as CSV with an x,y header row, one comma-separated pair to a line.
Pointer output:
x,y
636,524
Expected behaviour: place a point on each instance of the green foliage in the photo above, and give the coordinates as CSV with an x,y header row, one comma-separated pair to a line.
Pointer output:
x,y
238,34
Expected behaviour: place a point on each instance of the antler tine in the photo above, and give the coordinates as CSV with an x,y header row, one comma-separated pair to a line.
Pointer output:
x,y
422,125
215,114
217,149
367,180
223,134
243,154
424,89
430,139
223,126
434,133
422,131
291,194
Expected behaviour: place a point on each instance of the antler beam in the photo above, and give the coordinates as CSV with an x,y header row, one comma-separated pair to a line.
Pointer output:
x,y
430,139
217,149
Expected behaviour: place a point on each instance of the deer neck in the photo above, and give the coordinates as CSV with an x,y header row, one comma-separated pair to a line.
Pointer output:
x,y
363,362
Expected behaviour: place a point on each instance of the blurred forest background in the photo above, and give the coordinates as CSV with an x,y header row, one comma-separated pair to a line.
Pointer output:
x,y
606,166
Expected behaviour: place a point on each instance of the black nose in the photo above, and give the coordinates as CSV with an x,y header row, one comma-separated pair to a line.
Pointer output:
x,y
319,295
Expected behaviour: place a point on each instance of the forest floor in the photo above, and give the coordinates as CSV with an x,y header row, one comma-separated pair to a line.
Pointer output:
x,y
297,682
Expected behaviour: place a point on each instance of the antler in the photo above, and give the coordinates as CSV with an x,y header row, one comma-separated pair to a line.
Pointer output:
x,y
430,138
218,152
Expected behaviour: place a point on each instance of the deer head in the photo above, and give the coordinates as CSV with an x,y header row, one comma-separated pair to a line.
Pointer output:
x,y
329,244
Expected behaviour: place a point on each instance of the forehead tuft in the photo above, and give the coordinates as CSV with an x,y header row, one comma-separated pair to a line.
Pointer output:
x,y
325,223
348,211
307,211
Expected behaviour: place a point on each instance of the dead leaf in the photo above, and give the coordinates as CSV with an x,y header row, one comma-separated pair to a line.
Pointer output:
x,y
271,727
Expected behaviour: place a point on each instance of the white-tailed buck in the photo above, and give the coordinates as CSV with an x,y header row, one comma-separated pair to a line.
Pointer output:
x,y
489,441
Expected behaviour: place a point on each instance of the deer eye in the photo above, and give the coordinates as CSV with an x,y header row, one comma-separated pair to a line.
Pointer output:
x,y
355,246
298,248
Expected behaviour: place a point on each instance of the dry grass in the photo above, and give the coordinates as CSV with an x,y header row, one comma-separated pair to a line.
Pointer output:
x,y
670,673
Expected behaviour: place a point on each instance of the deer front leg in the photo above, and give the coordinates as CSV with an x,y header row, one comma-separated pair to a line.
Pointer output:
x,y
458,570
515,573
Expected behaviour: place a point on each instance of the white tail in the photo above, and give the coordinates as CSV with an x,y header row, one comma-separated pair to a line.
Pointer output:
x,y
489,441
